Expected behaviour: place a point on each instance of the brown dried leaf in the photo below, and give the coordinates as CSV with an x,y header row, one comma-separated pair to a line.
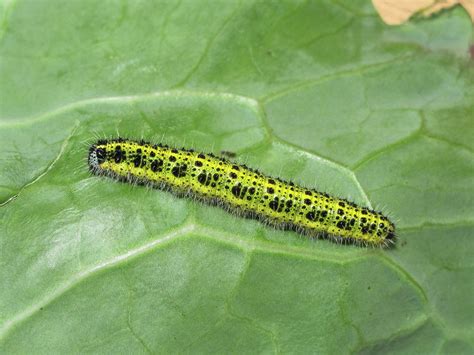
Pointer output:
x,y
396,12
469,6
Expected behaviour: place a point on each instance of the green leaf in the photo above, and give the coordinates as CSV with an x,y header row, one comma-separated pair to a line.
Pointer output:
x,y
320,92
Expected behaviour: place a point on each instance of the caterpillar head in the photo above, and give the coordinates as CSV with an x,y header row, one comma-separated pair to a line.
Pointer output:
x,y
97,156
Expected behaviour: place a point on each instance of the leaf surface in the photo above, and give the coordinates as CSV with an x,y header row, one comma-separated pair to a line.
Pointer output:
x,y
319,92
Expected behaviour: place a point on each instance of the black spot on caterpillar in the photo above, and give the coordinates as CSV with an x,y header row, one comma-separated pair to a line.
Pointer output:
x,y
240,189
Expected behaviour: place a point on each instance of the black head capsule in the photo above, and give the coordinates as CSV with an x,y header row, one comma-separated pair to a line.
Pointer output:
x,y
97,156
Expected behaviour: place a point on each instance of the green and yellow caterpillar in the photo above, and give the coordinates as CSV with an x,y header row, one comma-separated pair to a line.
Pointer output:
x,y
241,190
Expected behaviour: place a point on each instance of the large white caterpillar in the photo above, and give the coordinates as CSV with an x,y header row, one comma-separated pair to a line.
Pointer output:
x,y
240,189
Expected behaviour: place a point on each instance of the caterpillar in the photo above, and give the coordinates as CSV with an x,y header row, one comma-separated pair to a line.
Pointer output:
x,y
240,189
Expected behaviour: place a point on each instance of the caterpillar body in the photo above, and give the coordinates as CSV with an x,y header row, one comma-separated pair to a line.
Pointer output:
x,y
240,189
